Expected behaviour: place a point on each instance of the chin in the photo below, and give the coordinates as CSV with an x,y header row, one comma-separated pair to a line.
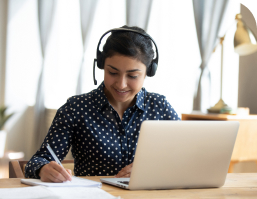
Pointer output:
x,y
119,99
122,98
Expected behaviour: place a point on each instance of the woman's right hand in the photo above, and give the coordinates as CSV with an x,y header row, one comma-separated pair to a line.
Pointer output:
x,y
54,172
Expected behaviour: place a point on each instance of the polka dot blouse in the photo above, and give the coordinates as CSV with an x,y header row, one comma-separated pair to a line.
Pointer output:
x,y
101,143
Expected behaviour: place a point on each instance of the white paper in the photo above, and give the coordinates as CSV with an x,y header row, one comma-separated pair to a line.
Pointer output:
x,y
81,192
27,193
76,182
40,192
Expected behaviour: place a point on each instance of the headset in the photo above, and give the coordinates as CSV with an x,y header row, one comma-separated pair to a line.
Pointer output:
x,y
151,70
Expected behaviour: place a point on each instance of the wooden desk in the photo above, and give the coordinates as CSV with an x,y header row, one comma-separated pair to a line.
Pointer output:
x,y
245,148
236,186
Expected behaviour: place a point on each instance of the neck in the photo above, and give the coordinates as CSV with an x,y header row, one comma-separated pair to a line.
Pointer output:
x,y
120,107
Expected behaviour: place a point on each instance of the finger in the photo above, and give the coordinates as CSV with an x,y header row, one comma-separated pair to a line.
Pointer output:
x,y
52,178
56,175
47,177
69,171
127,175
49,174
44,173
126,170
61,173
54,172
122,174
67,174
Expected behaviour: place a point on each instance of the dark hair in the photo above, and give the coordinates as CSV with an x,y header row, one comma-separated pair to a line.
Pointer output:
x,y
129,44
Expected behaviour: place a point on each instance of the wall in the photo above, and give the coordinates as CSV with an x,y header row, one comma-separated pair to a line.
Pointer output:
x,y
20,135
247,92
20,132
3,25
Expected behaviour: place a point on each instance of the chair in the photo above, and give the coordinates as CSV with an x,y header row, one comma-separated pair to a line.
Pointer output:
x,y
17,167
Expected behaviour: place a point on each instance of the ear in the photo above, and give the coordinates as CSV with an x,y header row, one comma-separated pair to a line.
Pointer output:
x,y
152,69
100,63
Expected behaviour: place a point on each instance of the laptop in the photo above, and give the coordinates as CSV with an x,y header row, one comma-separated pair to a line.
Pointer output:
x,y
180,154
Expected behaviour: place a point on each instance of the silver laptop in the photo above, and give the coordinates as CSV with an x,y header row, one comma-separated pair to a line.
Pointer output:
x,y
181,154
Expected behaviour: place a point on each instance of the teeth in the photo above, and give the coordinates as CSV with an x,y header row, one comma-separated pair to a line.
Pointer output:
x,y
121,91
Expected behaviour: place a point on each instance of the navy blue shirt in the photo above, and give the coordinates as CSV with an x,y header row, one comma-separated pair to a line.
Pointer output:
x,y
101,143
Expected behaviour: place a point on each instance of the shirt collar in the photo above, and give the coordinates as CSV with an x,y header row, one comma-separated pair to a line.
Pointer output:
x,y
101,100
140,99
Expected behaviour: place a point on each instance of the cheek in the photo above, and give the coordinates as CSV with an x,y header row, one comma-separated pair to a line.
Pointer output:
x,y
107,79
137,85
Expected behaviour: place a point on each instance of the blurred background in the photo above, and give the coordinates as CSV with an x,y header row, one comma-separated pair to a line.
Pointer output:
x,y
47,50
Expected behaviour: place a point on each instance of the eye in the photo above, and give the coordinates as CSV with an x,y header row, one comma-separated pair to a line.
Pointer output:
x,y
132,77
112,73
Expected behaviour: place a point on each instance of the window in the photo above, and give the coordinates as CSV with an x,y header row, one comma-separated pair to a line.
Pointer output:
x,y
65,48
23,60
172,26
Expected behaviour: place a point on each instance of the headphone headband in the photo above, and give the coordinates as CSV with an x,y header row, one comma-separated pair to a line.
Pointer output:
x,y
153,66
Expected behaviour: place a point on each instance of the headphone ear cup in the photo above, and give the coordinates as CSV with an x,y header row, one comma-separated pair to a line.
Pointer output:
x,y
99,60
152,69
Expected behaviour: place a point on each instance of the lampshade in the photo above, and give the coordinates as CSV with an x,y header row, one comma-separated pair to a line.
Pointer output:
x,y
244,40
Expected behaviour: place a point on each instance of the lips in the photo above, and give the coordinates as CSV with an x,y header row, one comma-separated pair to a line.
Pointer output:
x,y
121,92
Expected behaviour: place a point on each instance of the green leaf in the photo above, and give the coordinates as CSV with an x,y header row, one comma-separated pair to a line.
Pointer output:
x,y
2,111
3,117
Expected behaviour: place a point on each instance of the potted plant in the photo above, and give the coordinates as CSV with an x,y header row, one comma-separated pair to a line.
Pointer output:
x,y
3,119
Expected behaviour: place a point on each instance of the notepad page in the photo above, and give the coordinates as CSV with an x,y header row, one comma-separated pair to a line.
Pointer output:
x,y
83,181
40,192
81,192
37,192
76,182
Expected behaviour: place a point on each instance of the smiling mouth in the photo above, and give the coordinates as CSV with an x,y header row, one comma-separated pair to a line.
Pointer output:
x,y
121,91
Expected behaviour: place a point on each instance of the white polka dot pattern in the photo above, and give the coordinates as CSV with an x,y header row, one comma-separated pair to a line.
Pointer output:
x,y
101,143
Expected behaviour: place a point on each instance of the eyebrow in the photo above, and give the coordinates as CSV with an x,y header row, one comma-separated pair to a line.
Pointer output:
x,y
126,71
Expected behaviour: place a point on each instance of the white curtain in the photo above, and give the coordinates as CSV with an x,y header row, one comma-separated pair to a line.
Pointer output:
x,y
45,18
87,12
208,18
138,13
23,64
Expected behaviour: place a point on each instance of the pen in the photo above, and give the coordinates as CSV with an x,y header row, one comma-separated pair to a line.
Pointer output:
x,y
53,154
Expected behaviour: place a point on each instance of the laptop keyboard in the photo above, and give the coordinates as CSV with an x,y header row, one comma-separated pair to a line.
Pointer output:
x,y
124,182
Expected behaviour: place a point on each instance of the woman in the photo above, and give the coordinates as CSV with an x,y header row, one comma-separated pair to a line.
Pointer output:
x,y
102,126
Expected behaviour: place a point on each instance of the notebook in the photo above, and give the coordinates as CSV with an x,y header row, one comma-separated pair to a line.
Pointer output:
x,y
76,182
181,154
42,192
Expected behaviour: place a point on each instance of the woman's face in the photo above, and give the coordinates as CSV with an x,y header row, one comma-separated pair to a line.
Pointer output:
x,y
123,77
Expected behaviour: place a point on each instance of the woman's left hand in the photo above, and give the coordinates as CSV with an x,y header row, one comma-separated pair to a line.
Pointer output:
x,y
125,172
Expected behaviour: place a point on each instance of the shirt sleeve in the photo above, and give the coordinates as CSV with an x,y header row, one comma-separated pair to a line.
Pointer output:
x,y
168,111
59,137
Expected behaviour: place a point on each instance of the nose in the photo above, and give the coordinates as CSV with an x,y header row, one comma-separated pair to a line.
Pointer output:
x,y
121,83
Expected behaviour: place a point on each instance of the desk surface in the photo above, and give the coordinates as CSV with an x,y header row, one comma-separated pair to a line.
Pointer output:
x,y
237,185
214,116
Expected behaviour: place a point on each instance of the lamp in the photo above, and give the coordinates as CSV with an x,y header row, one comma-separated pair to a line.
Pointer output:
x,y
244,40
244,44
